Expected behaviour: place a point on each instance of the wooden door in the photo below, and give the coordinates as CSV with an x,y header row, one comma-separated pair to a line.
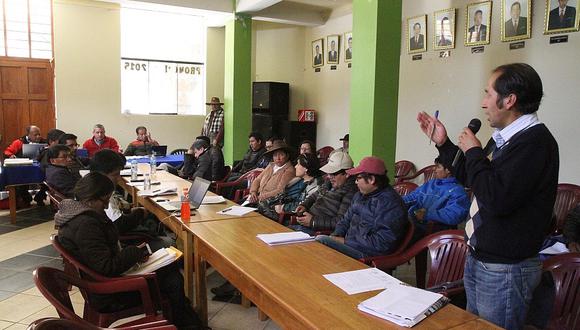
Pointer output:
x,y
26,97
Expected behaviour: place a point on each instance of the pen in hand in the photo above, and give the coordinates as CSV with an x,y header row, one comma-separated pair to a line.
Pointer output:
x,y
434,125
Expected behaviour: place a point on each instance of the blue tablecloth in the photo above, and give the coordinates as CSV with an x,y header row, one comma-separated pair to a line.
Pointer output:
x,y
173,160
11,175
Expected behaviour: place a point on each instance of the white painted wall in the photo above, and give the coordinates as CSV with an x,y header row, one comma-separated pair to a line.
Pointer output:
x,y
88,80
277,54
455,85
328,91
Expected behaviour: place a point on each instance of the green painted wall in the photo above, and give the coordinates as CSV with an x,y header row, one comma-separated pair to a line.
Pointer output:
x,y
375,80
237,87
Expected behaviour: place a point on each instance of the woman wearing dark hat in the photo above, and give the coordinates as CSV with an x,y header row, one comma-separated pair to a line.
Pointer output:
x,y
276,176
307,181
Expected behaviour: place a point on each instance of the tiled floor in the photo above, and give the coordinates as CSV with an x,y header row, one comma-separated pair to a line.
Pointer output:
x,y
26,245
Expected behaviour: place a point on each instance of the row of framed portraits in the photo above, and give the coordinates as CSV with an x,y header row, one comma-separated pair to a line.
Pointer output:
x,y
333,46
516,23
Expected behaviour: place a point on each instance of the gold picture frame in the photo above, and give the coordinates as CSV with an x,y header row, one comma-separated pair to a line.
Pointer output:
x,y
444,29
417,34
333,46
478,23
510,29
347,47
569,23
318,54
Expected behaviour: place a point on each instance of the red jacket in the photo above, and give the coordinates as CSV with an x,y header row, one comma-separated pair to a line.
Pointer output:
x,y
15,148
108,143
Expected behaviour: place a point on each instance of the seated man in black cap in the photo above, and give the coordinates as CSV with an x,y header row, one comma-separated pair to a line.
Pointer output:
x,y
345,142
442,201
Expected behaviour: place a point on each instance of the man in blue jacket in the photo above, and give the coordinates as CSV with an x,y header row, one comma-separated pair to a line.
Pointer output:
x,y
438,204
376,220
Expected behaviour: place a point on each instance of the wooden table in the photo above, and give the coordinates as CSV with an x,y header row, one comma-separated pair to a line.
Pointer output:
x,y
286,281
205,213
477,324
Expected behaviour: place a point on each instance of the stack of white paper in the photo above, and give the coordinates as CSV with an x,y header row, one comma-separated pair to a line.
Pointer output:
x,y
363,280
403,305
158,192
213,199
158,259
285,238
17,162
236,210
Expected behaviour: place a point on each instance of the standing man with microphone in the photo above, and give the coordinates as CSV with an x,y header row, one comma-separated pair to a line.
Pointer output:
x,y
514,193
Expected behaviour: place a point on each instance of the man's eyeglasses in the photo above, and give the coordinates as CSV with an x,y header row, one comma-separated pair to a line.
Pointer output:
x,y
72,145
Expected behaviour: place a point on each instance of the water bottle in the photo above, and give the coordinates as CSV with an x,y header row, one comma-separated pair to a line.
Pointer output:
x,y
134,170
146,182
185,210
153,165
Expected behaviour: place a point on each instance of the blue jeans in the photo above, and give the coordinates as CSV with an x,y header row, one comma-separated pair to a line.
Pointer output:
x,y
340,247
501,293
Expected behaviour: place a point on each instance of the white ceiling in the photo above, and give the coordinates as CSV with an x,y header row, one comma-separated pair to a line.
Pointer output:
x,y
297,12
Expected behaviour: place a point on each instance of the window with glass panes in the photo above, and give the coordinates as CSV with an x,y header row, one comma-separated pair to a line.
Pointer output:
x,y
26,29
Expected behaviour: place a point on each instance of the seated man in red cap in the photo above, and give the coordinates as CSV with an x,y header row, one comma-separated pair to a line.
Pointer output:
x,y
213,126
376,221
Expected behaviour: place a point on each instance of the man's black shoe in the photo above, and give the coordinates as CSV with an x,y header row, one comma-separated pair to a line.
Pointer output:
x,y
223,290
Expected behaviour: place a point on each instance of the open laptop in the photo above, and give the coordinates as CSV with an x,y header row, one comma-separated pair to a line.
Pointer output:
x,y
197,192
32,150
159,150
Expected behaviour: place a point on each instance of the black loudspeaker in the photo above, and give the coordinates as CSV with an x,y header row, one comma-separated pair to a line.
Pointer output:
x,y
271,97
294,132
267,124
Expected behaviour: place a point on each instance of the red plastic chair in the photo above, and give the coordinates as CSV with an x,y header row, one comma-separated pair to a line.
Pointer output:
x,y
323,154
448,251
565,271
428,173
227,172
54,284
404,188
567,197
406,240
245,178
404,168
76,269
54,196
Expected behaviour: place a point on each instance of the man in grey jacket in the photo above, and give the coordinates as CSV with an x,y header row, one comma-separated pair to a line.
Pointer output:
x,y
323,209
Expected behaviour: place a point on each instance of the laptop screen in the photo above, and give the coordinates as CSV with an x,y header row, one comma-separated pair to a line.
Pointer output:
x,y
159,150
197,191
31,150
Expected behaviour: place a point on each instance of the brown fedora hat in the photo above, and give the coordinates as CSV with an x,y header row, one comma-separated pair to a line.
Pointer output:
x,y
279,145
214,100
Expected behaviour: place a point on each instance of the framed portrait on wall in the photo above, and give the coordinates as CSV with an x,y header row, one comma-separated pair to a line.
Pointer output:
x,y
348,47
561,16
333,46
318,53
416,32
516,20
477,23
444,27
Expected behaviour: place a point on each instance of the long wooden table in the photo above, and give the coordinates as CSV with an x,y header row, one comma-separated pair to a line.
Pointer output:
x,y
286,281
205,213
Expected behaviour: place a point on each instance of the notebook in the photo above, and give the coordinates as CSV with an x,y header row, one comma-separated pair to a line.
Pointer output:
x,y
31,150
197,192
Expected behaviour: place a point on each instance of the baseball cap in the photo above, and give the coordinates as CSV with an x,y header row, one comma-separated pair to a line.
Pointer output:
x,y
345,138
337,161
371,165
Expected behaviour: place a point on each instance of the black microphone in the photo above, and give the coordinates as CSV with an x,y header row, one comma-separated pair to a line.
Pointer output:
x,y
474,126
